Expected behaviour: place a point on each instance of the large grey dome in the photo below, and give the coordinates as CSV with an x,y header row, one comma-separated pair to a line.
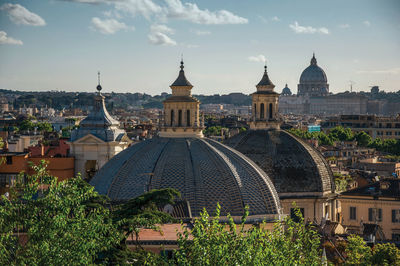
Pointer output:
x,y
294,166
313,81
206,172
313,74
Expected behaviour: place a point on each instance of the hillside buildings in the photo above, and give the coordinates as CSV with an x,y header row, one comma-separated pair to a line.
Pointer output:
x,y
375,126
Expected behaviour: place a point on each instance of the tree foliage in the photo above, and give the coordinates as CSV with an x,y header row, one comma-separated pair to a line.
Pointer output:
x,y
339,133
358,253
46,222
56,222
29,125
212,242
214,131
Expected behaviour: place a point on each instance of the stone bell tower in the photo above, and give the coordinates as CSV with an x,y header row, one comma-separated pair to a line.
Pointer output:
x,y
265,105
181,111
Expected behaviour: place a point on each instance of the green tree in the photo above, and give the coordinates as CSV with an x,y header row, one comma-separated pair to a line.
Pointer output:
x,y
385,254
64,223
212,242
341,133
44,127
134,215
363,139
358,253
46,222
26,124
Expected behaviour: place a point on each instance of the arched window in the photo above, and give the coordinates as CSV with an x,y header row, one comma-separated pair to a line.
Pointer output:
x,y
255,111
262,111
270,111
179,118
188,118
172,117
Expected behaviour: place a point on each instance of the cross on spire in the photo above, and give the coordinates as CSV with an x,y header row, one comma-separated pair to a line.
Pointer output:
x,y
98,79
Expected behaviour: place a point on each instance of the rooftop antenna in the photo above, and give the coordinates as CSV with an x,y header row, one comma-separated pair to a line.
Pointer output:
x,y
351,85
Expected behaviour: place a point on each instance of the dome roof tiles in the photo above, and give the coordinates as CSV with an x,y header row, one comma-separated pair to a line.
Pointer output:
x,y
206,172
292,165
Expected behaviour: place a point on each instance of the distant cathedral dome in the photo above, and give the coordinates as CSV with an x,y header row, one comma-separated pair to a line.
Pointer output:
x,y
286,91
313,80
204,171
313,73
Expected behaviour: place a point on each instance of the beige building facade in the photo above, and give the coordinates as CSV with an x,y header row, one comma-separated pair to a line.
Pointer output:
x,y
377,203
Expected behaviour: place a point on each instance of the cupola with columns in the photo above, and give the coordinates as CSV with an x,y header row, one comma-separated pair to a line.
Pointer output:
x,y
181,111
265,105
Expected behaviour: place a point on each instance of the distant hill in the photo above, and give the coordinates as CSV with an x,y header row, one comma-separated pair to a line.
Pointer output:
x,y
84,100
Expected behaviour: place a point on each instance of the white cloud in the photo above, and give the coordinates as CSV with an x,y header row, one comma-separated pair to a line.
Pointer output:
x,y
159,38
393,71
146,8
161,28
4,39
158,35
201,32
344,26
191,12
257,58
107,26
307,29
22,16
367,23
275,18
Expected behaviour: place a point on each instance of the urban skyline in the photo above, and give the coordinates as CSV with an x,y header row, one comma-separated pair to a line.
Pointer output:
x,y
137,45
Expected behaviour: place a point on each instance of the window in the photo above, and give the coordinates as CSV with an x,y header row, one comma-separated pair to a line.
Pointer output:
x,y
9,160
353,213
188,118
255,111
172,117
396,216
293,215
375,215
262,111
180,118
270,111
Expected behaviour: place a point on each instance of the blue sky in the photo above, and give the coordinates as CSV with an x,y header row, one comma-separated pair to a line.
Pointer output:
x,y
137,44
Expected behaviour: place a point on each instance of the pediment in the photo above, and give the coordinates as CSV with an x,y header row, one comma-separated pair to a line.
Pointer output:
x,y
89,139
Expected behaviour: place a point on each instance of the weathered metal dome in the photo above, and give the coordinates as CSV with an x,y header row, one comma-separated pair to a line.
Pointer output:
x,y
294,166
205,172
313,73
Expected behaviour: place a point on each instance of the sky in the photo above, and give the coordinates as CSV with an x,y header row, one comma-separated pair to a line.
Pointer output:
x,y
137,44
